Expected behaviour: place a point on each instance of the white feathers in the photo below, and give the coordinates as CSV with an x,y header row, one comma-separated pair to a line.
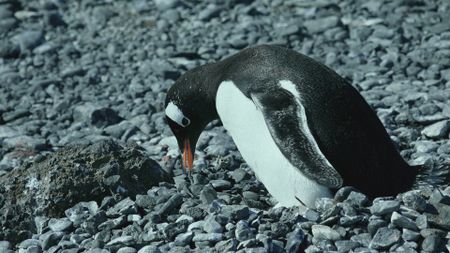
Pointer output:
x,y
289,86
175,114
247,126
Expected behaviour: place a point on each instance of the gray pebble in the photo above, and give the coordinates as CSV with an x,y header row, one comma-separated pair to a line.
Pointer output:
x,y
402,221
437,130
243,231
60,225
385,238
325,232
382,207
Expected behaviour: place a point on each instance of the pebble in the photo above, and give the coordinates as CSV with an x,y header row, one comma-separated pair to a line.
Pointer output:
x,y
385,238
60,225
208,194
243,231
437,130
403,222
382,207
29,39
325,232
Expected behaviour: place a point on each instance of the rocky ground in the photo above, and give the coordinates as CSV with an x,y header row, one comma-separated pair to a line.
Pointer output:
x,y
92,75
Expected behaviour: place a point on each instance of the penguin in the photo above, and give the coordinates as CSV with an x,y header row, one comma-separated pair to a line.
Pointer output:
x,y
302,128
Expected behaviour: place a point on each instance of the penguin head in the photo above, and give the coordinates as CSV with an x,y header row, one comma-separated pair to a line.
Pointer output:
x,y
187,114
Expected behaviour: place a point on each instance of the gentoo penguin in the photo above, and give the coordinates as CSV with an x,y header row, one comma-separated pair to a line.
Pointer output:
x,y
303,129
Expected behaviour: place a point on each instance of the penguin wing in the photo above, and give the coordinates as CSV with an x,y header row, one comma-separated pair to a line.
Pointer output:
x,y
286,120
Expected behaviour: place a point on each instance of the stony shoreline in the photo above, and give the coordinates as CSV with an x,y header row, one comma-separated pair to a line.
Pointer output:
x,y
93,75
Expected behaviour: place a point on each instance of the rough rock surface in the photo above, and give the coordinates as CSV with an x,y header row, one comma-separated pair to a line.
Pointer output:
x,y
53,183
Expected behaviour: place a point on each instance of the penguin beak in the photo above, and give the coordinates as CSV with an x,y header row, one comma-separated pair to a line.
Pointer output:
x,y
188,156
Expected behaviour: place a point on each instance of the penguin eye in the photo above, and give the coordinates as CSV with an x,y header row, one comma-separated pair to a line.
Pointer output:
x,y
185,122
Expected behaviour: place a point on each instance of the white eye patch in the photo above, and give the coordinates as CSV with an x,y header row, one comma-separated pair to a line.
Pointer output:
x,y
174,113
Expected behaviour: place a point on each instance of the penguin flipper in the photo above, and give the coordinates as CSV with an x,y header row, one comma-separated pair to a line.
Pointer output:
x,y
286,120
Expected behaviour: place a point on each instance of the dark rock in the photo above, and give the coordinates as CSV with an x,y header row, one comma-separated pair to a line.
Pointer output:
x,y
174,202
385,238
96,115
7,48
294,240
72,175
207,194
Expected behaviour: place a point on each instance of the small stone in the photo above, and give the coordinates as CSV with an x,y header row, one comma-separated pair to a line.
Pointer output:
x,y
409,235
364,239
184,239
5,245
437,130
220,184
240,174
382,207
126,240
212,226
432,243
60,225
211,237
209,12
402,221
81,211
374,224
357,199
174,202
149,249
325,232
346,245
124,207
208,194
385,238
145,201
229,245
294,240
321,24
414,201
243,231
236,212
28,243
29,39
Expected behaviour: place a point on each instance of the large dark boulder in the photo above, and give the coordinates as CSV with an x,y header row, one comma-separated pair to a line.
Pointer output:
x,y
58,181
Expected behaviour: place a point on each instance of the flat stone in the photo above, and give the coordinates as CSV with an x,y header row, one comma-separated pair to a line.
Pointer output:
x,y
60,225
243,231
437,130
414,201
409,235
402,221
210,237
220,184
321,25
325,232
294,240
382,207
208,194
149,249
126,240
385,238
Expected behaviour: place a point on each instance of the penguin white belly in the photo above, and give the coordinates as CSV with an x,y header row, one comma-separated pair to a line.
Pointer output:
x,y
247,127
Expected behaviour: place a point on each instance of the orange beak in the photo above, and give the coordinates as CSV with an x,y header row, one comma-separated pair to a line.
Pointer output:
x,y
188,157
